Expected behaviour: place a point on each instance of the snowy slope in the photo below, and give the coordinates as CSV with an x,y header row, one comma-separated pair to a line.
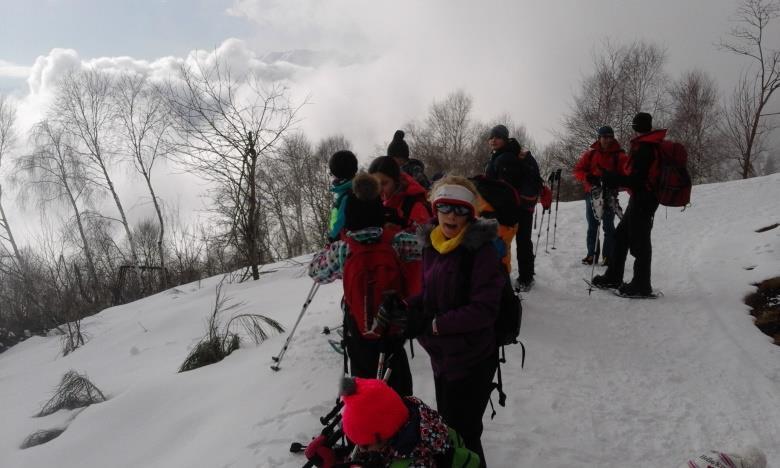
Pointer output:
x,y
608,382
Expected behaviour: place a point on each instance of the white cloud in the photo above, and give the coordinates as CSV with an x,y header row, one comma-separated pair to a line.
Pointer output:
x,y
11,70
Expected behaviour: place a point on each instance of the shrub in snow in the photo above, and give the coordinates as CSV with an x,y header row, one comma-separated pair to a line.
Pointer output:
x,y
74,391
220,340
40,437
765,303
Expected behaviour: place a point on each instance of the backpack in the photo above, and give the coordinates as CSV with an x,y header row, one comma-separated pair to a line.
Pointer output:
x,y
669,178
502,197
370,270
462,457
508,322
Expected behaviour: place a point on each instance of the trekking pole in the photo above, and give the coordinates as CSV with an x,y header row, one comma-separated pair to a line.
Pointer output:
x,y
551,181
539,233
557,198
309,297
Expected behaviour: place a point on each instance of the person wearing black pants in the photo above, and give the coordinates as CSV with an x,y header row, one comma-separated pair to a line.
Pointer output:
x,y
463,402
364,356
633,232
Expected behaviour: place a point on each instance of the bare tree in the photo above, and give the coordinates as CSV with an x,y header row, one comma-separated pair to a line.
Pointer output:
x,y
144,126
225,122
85,110
54,173
626,80
746,123
7,141
695,123
443,139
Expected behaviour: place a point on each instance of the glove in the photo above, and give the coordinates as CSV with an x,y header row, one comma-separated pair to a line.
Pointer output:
x,y
610,179
319,453
392,315
593,180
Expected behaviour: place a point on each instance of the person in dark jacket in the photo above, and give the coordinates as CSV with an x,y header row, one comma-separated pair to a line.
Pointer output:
x,y
399,150
343,166
633,231
454,316
604,155
510,163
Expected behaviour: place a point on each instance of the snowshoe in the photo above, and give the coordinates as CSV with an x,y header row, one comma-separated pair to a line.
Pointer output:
x,y
631,291
604,282
336,345
597,202
613,203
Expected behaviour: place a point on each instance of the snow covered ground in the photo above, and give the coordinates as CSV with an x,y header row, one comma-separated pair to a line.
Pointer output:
x,y
608,382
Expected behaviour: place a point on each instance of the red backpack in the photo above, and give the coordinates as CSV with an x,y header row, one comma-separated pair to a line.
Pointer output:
x,y
669,177
370,270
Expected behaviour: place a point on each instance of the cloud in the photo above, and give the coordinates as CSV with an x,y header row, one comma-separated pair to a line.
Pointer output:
x,y
10,70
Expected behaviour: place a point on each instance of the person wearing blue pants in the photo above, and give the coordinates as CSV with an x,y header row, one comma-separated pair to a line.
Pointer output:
x,y
604,155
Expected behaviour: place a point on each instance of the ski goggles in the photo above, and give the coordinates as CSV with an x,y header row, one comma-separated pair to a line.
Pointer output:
x,y
447,208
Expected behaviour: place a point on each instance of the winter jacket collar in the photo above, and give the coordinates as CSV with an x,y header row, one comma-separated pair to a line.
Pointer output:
x,y
408,188
369,235
656,136
478,233
614,147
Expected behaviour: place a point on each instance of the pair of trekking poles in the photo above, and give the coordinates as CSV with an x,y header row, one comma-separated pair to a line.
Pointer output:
x,y
554,176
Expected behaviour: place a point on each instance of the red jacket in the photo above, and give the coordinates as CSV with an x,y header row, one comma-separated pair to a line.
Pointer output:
x,y
418,214
595,161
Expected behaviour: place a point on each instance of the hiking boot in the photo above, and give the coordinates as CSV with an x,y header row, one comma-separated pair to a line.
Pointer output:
x,y
632,290
605,282
588,260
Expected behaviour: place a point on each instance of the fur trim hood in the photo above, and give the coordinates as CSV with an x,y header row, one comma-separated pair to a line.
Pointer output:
x,y
478,233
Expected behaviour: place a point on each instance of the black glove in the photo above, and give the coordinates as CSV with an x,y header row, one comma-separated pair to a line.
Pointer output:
x,y
392,316
610,179
593,180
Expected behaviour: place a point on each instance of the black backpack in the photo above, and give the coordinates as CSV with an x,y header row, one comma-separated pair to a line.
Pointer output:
x,y
508,322
502,197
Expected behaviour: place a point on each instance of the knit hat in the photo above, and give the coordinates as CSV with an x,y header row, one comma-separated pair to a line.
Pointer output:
x,y
500,132
398,147
364,208
642,123
606,130
343,165
453,194
373,412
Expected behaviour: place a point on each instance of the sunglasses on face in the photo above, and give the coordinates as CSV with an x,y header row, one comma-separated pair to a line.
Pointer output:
x,y
459,210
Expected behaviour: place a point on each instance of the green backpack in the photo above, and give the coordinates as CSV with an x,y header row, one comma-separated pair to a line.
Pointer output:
x,y
461,456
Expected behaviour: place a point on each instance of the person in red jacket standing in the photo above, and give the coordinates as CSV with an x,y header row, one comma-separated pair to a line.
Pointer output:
x,y
406,208
604,155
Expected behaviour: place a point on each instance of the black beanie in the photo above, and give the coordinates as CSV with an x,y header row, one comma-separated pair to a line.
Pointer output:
x,y
398,147
386,165
343,165
364,208
642,123
500,132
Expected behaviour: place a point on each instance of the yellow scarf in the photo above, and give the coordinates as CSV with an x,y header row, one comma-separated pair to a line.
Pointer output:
x,y
444,245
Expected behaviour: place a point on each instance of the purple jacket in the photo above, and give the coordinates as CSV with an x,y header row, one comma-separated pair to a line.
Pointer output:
x,y
466,336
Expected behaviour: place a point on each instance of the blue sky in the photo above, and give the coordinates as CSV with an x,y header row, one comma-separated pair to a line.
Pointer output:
x,y
96,28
